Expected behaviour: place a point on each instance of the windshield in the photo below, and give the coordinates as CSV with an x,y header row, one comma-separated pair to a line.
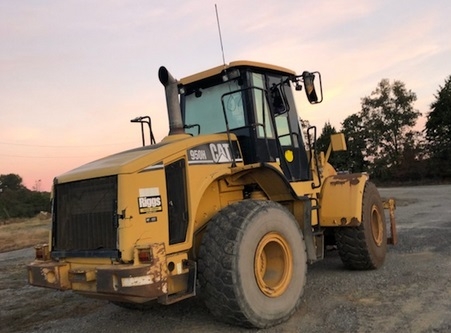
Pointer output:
x,y
203,110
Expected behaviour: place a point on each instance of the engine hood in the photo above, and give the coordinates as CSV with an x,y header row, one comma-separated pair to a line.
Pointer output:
x,y
138,159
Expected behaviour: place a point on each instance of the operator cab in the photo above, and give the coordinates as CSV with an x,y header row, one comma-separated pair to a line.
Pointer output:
x,y
255,102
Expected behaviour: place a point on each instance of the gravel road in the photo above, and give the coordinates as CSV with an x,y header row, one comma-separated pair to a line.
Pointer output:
x,y
410,293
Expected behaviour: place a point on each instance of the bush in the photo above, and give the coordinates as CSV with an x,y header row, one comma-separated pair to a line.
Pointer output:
x,y
16,201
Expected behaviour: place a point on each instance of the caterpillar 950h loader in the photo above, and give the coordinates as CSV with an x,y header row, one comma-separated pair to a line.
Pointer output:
x,y
232,204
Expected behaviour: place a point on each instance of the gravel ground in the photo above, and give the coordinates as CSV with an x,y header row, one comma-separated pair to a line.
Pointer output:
x,y
410,293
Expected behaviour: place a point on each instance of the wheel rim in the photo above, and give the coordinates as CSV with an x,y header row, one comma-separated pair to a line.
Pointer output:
x,y
377,228
273,265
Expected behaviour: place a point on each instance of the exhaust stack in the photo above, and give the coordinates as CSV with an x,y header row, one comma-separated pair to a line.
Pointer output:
x,y
172,101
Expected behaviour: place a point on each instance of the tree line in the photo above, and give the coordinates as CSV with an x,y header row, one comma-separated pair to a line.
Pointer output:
x,y
381,139
18,201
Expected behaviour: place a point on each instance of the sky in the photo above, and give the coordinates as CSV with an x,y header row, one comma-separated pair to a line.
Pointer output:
x,y
74,73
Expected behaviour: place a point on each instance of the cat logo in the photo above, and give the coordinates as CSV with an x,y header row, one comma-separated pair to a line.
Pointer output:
x,y
220,152
214,153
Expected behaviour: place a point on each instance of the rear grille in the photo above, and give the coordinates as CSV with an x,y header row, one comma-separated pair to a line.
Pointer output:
x,y
85,219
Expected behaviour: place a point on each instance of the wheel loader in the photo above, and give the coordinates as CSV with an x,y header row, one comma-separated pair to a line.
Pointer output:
x,y
232,205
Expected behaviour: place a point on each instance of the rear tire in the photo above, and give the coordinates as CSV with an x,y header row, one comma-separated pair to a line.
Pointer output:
x,y
364,247
253,264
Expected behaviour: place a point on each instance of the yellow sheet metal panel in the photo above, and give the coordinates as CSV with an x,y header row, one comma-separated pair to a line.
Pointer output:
x,y
341,200
207,206
218,69
141,198
142,191
140,159
338,142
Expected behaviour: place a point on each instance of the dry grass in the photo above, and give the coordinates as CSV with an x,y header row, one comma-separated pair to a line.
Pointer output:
x,y
22,233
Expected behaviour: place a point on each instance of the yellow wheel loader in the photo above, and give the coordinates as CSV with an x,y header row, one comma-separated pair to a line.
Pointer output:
x,y
232,204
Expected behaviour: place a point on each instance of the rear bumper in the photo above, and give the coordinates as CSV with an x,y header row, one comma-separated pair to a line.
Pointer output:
x,y
143,281
49,274
146,281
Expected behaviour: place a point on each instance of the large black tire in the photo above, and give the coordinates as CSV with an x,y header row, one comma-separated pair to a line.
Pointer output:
x,y
252,264
364,247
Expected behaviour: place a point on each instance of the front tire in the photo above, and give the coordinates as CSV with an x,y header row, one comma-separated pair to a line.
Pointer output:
x,y
364,247
253,264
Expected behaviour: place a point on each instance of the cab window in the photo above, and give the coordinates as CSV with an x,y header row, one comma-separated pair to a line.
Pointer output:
x,y
203,109
262,112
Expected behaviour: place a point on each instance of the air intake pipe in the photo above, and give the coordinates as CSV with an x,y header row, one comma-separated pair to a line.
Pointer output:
x,y
172,101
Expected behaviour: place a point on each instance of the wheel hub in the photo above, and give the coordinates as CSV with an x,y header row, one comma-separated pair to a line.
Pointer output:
x,y
377,228
273,265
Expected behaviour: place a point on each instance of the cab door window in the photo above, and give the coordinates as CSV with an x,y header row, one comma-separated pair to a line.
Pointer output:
x,y
262,112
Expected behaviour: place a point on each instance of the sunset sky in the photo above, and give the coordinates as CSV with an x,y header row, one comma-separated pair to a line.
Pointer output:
x,y
73,73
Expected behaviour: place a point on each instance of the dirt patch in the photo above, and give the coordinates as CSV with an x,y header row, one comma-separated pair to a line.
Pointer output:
x,y
410,293
21,233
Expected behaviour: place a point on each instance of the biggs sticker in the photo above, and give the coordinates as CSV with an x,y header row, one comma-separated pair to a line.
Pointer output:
x,y
149,200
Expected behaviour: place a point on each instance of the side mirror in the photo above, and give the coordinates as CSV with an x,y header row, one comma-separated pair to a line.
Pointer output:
x,y
310,87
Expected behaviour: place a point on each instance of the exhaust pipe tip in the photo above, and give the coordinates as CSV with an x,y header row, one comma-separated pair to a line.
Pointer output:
x,y
172,101
164,76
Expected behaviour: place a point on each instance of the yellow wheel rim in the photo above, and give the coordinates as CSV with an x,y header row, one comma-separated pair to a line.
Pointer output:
x,y
273,265
377,227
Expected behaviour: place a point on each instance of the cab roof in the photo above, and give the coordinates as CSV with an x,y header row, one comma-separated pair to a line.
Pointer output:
x,y
240,63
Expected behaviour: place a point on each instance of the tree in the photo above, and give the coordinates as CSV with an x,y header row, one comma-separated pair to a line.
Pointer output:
x,y
305,125
18,201
412,166
337,159
438,131
383,127
11,181
323,141
355,134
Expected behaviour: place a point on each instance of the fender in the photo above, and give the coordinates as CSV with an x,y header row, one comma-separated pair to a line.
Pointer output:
x,y
341,200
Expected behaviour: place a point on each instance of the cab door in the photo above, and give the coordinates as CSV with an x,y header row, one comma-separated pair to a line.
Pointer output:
x,y
293,157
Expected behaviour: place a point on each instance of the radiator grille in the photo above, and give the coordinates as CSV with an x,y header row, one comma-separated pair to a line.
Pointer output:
x,y
85,219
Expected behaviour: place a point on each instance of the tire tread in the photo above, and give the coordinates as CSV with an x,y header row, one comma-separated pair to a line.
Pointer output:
x,y
351,242
217,257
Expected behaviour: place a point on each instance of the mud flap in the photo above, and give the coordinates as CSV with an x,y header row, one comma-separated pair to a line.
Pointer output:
x,y
191,285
